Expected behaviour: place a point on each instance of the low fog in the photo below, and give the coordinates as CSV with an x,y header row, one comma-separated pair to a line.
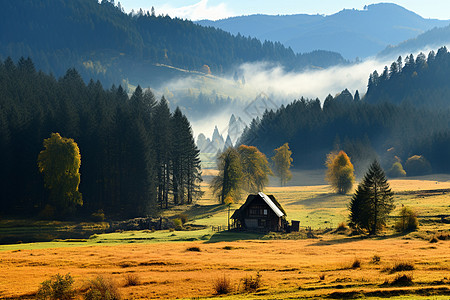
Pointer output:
x,y
259,86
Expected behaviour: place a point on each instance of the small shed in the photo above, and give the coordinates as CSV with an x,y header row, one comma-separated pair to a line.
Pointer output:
x,y
260,212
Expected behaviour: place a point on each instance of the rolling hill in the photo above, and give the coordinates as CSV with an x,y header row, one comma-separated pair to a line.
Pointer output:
x,y
353,33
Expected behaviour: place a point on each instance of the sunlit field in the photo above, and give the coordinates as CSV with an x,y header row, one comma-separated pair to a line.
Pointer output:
x,y
186,264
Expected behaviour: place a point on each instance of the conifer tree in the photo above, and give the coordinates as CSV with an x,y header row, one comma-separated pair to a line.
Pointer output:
x,y
372,201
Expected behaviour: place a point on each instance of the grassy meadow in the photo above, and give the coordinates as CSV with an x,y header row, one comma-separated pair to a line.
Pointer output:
x,y
186,264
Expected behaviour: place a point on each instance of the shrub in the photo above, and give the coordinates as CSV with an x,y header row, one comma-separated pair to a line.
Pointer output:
x,y
396,170
102,289
183,217
443,236
356,264
376,259
178,224
250,283
417,165
98,216
222,286
59,287
322,277
132,280
402,266
48,213
408,221
402,280
193,249
342,227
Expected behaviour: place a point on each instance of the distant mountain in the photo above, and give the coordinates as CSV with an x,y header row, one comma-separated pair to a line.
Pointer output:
x,y
353,33
431,39
103,42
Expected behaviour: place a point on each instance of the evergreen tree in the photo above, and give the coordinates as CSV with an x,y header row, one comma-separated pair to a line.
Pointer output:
x,y
372,201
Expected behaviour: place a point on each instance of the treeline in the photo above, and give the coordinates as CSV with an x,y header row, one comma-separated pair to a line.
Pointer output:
x,y
136,155
101,40
420,81
363,130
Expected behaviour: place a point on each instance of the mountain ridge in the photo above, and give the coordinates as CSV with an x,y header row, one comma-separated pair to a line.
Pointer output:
x,y
360,32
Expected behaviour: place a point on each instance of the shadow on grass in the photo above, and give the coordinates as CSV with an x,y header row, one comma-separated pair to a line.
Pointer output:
x,y
231,236
320,200
350,239
204,211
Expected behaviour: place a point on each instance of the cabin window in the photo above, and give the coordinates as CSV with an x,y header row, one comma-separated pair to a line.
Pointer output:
x,y
265,212
261,223
257,210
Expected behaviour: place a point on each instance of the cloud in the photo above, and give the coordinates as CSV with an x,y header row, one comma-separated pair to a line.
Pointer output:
x,y
198,11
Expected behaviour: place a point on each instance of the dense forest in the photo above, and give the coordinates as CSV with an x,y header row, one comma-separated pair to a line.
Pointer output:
x,y
137,156
103,42
396,119
421,81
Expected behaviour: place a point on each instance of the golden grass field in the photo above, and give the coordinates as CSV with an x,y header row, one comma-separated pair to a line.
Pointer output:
x,y
291,269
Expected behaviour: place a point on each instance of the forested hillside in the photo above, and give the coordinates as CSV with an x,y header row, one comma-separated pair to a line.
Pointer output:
x,y
136,155
103,42
420,81
405,112
433,38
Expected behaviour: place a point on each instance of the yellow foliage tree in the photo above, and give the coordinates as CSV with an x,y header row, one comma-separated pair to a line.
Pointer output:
x,y
60,163
282,163
255,168
340,172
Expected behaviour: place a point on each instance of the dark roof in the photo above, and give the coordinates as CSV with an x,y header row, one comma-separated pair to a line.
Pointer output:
x,y
250,198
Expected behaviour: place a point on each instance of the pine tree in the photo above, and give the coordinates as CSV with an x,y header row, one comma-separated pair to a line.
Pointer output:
x,y
372,201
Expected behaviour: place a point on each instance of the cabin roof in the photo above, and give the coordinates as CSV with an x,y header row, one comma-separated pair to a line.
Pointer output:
x,y
270,200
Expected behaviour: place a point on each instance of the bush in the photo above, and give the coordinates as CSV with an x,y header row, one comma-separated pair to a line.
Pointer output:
x,y
402,266
396,170
250,283
102,289
376,259
193,249
178,224
132,280
342,227
98,216
417,165
57,288
222,286
408,221
402,280
356,264
183,217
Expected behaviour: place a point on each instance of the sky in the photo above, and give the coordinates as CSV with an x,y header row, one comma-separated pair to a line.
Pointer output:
x,y
220,9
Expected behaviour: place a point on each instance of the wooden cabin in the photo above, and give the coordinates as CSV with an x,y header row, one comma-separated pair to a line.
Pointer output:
x,y
260,212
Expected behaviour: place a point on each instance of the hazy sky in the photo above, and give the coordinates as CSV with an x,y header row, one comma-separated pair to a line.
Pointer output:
x,y
219,9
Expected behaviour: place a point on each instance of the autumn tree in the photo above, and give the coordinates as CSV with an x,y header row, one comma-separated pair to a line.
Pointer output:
x,y
340,172
255,168
372,201
228,182
60,163
282,162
